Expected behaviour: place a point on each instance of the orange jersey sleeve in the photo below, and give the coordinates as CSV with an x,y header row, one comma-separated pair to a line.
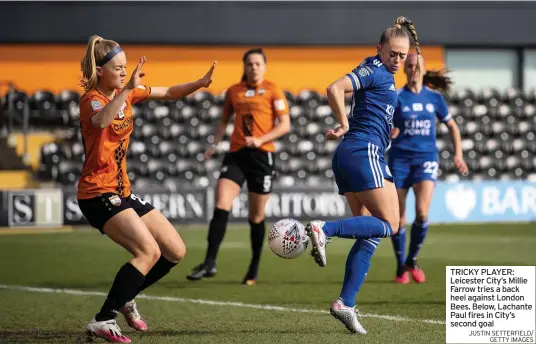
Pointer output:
x,y
139,94
90,104
105,167
279,101
256,110
228,104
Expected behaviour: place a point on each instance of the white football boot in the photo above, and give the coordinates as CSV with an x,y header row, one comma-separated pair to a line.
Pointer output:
x,y
319,241
348,316
133,317
108,330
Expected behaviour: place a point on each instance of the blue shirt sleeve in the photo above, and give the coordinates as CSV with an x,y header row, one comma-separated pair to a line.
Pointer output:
x,y
362,77
442,110
397,117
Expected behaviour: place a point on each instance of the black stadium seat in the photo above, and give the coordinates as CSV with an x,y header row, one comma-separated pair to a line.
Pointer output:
x,y
290,97
17,100
489,96
511,94
43,102
69,172
169,137
67,103
309,98
201,99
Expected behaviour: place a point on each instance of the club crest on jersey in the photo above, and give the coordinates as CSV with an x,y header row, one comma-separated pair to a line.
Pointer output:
x,y
121,114
363,71
430,107
279,104
96,105
249,93
115,200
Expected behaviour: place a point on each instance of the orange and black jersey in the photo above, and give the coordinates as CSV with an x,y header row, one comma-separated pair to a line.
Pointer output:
x,y
256,110
105,167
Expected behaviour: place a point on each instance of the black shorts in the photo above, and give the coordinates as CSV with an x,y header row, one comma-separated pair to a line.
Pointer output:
x,y
100,209
252,165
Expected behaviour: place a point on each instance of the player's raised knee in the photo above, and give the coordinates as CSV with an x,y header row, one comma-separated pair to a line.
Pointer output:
x,y
394,222
224,205
178,253
150,253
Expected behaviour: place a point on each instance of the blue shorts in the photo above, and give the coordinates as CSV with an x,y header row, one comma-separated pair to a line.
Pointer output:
x,y
359,165
412,169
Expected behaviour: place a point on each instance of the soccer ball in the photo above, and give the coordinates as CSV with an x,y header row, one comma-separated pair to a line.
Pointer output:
x,y
288,239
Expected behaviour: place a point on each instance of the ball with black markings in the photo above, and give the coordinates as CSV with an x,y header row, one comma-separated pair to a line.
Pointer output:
x,y
288,238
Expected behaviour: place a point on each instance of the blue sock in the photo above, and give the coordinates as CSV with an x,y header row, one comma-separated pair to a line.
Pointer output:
x,y
357,266
419,230
399,245
358,227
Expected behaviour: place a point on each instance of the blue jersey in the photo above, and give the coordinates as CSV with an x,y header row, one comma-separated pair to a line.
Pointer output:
x,y
415,116
373,102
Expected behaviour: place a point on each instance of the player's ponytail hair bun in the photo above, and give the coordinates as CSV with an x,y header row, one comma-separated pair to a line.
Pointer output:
x,y
403,21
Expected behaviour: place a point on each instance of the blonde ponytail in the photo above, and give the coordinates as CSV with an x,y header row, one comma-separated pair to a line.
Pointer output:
x,y
97,48
89,65
403,21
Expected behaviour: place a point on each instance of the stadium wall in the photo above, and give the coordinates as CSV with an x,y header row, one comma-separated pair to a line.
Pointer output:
x,y
57,67
463,202
469,23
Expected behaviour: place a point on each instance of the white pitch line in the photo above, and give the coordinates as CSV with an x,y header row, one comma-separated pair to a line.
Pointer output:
x,y
210,302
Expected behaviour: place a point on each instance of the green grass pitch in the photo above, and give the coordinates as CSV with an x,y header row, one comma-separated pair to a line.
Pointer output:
x,y
179,311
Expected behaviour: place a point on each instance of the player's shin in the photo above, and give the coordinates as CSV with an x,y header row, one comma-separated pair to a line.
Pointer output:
x,y
419,230
357,266
216,232
159,270
257,233
399,246
126,284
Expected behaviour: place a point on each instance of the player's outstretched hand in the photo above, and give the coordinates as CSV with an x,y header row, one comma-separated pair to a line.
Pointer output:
x,y
137,74
209,152
337,133
461,165
207,79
